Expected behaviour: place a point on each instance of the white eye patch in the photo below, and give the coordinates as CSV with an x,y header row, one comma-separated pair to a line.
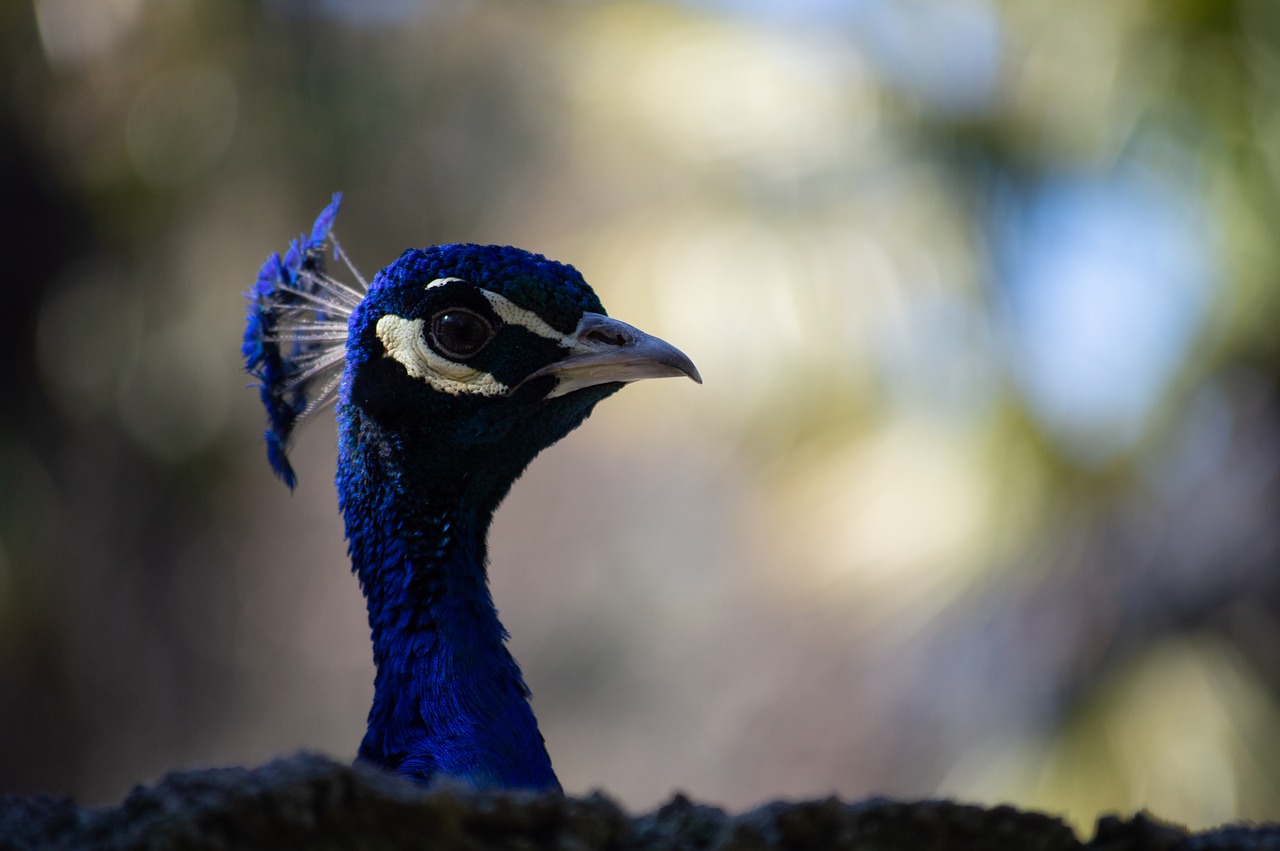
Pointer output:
x,y
509,313
402,340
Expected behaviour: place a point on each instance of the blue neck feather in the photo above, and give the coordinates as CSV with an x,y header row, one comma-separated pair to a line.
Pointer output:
x,y
449,699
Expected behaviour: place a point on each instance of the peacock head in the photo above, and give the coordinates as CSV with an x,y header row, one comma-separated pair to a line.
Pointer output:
x,y
462,360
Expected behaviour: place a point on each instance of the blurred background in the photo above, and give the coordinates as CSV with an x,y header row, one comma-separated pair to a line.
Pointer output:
x,y
980,495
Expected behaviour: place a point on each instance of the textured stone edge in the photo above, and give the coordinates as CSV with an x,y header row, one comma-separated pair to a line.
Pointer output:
x,y
310,801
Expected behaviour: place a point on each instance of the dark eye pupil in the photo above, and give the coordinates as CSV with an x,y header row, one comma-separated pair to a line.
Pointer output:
x,y
460,333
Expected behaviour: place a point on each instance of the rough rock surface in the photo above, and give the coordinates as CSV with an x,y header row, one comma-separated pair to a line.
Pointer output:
x,y
309,801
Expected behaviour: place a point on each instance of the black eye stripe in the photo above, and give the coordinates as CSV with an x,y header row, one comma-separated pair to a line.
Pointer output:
x,y
454,293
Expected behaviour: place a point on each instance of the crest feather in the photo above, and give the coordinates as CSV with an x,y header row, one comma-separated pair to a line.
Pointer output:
x,y
295,334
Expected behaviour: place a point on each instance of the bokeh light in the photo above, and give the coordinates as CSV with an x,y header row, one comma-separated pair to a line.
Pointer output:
x,y
978,498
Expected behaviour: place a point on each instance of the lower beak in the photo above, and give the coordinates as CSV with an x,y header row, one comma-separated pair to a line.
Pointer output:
x,y
606,351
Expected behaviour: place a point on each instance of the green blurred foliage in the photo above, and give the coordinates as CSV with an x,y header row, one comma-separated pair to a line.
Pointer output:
x,y
865,557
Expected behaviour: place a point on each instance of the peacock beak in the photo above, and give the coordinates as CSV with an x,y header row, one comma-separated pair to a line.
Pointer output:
x,y
604,350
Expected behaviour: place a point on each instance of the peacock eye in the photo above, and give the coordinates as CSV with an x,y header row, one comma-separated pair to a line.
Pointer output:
x,y
460,333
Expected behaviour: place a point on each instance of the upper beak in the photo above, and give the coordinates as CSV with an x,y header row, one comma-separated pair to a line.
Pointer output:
x,y
606,350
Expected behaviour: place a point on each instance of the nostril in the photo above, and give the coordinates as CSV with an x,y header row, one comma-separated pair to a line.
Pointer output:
x,y
607,336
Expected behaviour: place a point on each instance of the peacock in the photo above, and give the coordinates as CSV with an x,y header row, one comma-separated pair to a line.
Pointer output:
x,y
450,371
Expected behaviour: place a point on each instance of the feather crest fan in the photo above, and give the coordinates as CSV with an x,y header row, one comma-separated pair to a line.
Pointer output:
x,y
295,338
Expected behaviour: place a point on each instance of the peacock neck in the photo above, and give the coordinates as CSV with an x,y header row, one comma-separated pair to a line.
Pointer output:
x,y
449,699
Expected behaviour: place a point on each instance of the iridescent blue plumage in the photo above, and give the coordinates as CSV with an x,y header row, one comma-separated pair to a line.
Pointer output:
x,y
459,365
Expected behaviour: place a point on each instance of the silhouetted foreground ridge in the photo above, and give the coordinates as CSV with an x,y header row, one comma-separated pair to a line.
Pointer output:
x,y
309,801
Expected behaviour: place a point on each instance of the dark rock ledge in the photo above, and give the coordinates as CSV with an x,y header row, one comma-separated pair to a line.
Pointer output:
x,y
309,801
